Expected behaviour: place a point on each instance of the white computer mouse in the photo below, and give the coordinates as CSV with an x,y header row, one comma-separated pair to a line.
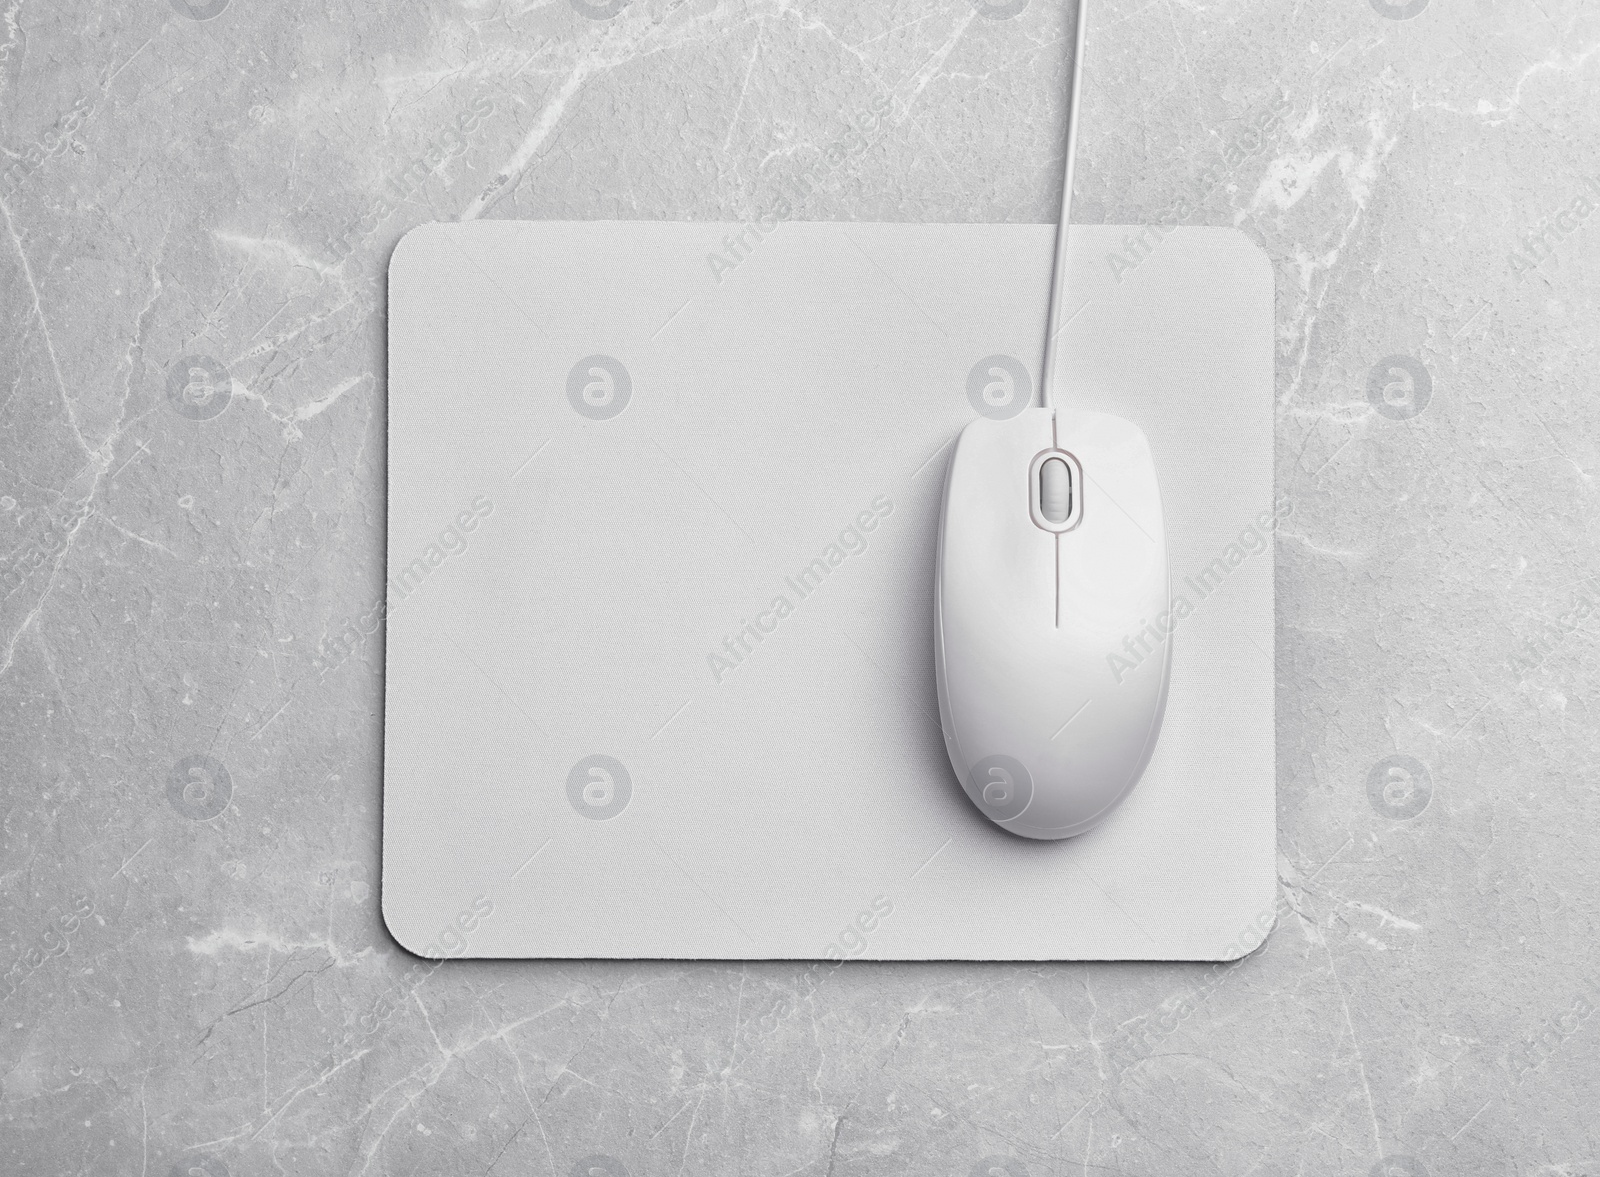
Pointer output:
x,y
1052,617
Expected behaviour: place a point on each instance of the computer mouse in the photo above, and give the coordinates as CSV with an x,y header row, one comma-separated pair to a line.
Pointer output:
x,y
1053,622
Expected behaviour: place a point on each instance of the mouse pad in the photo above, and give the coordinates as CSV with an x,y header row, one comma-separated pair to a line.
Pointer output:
x,y
663,501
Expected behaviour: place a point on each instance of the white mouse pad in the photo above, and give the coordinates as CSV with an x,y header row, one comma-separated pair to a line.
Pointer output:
x,y
663,501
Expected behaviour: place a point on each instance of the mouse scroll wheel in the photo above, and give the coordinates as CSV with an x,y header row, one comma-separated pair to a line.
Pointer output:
x,y
1055,490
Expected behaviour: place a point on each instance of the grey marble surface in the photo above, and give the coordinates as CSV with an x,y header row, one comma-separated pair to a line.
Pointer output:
x,y
199,200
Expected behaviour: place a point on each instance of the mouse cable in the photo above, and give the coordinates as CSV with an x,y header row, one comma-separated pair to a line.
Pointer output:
x,y
1058,274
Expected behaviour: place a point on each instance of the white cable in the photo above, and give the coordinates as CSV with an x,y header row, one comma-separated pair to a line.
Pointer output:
x,y
1058,279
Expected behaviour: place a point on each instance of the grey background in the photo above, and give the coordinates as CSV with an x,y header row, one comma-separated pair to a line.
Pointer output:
x,y
202,990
